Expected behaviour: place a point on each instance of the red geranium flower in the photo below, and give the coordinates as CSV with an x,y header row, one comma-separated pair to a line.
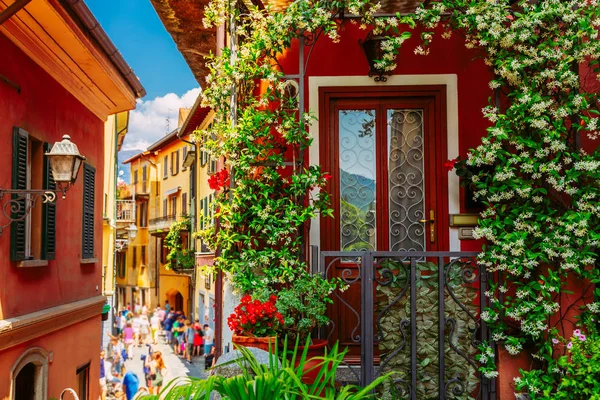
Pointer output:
x,y
255,318
219,180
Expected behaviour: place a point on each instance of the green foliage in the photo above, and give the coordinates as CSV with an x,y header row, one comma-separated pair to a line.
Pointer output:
x,y
427,327
178,257
280,380
574,373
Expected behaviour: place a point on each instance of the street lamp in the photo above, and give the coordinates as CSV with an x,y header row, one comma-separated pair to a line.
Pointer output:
x,y
373,52
65,162
132,231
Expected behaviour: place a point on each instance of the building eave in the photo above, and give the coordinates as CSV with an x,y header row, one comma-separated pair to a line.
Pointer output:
x,y
66,41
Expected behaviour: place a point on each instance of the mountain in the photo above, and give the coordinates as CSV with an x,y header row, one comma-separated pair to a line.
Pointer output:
x,y
125,168
358,190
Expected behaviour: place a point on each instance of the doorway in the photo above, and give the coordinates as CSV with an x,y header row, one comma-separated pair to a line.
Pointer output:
x,y
385,148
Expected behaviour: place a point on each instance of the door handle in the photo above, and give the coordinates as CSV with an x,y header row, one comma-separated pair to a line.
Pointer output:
x,y
431,222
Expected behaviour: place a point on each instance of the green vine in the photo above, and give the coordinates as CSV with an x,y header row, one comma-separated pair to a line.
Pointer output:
x,y
179,258
540,189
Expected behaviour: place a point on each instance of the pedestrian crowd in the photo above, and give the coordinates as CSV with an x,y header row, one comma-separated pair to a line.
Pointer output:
x,y
139,327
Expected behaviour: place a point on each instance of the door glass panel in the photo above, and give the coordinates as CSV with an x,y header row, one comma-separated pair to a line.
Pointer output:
x,y
406,179
357,179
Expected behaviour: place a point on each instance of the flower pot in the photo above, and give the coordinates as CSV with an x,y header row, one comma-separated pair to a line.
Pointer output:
x,y
316,349
263,343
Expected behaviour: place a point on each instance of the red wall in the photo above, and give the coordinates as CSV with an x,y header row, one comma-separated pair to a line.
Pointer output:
x,y
47,111
70,348
346,58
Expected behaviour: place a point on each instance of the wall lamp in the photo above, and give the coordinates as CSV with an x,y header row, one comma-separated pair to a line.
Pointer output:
x,y
372,48
65,162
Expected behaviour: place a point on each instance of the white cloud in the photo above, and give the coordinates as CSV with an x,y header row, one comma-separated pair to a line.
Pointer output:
x,y
148,122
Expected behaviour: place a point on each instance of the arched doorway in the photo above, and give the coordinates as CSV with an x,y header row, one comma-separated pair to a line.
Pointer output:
x,y
176,300
179,301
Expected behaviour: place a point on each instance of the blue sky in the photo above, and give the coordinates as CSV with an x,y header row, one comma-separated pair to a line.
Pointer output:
x,y
138,33
136,30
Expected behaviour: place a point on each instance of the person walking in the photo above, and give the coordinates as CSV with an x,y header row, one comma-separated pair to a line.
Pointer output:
x,y
177,328
158,371
167,306
144,329
136,329
128,339
131,385
155,326
209,337
198,339
189,340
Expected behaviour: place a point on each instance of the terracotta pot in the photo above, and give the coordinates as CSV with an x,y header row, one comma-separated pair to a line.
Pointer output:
x,y
316,349
263,343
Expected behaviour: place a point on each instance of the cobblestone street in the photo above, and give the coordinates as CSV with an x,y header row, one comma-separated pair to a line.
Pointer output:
x,y
176,366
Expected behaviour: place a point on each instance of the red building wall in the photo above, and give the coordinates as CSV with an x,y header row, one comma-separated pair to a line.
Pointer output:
x,y
47,111
447,56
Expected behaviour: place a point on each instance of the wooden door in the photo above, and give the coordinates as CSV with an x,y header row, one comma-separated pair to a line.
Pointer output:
x,y
385,150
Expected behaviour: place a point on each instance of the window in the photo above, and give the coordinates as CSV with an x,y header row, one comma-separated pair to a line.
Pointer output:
x,y
31,170
185,151
134,256
143,261
83,382
165,210
165,167
143,215
145,179
174,206
121,264
184,204
175,162
135,177
87,231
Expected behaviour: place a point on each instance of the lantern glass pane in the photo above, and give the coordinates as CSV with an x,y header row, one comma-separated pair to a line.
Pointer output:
x,y
61,168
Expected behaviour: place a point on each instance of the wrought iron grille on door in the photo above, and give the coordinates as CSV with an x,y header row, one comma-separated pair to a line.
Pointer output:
x,y
417,316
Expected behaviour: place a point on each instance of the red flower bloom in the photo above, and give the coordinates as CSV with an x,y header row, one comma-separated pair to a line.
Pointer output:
x,y
327,176
449,165
219,180
255,318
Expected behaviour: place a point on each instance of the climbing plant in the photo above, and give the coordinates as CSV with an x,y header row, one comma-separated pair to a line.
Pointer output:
x,y
178,257
539,185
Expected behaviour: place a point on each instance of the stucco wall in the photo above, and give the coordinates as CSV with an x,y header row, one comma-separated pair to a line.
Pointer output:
x,y
69,349
47,111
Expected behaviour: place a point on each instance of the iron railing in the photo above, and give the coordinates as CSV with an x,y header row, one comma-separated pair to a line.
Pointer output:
x,y
414,313
164,222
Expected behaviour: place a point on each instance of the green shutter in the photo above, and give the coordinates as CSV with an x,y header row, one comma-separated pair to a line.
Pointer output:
x,y
18,230
87,231
48,213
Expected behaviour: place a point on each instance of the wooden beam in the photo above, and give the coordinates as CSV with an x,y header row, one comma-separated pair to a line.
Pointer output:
x,y
12,10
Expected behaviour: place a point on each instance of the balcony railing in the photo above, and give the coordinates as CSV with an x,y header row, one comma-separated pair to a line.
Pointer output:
x,y
164,222
125,210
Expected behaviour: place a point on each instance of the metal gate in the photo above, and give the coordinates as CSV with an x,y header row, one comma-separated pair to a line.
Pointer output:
x,y
415,314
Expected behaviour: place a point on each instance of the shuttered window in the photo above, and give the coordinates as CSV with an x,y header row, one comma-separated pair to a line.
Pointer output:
x,y
184,204
18,229
145,179
87,231
165,167
165,211
48,213
24,245
185,151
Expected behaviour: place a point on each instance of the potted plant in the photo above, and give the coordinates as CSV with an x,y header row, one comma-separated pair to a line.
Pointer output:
x,y
255,323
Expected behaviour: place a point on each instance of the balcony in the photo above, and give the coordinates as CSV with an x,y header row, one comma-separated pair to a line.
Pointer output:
x,y
125,210
161,224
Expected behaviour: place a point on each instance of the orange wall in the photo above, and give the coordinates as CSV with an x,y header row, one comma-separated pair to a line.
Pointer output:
x,y
71,347
47,111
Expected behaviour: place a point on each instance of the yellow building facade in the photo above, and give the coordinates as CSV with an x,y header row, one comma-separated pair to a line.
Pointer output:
x,y
115,129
